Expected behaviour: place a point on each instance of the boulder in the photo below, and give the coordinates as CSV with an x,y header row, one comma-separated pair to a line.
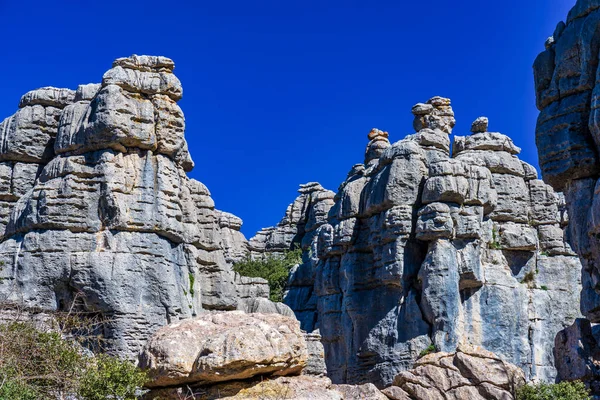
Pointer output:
x,y
469,373
275,388
217,347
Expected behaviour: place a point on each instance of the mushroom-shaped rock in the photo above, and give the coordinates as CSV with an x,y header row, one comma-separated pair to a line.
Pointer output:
x,y
224,346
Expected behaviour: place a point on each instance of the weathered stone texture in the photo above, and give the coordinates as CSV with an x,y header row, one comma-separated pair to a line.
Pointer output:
x,y
568,140
94,199
222,347
469,373
419,247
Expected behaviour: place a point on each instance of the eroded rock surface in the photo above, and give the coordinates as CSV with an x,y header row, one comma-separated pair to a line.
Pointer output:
x,y
420,246
280,388
226,346
568,141
94,199
469,373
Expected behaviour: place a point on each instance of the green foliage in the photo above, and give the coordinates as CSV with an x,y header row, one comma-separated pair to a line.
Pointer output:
x,y
109,377
41,364
430,349
559,391
494,245
38,360
275,269
544,287
192,280
14,389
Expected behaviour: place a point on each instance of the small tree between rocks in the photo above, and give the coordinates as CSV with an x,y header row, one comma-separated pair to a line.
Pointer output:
x,y
274,268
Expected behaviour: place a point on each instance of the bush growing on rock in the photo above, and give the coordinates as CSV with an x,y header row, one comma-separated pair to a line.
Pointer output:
x,y
274,268
559,391
38,363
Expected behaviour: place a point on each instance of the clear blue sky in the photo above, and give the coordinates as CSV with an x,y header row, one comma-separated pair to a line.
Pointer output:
x,y
278,93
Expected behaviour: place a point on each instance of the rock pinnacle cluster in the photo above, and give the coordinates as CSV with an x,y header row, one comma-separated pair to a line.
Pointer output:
x,y
423,245
96,205
441,267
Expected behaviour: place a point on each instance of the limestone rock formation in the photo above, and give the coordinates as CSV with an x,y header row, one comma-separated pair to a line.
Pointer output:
x,y
224,347
469,373
234,355
285,387
94,199
568,141
419,246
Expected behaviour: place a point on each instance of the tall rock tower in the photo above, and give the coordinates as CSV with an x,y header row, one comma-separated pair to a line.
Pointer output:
x,y
427,245
568,139
96,204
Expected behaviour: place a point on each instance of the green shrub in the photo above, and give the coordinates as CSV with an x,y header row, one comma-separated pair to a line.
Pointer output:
x,y
558,391
41,364
14,389
109,377
430,349
274,268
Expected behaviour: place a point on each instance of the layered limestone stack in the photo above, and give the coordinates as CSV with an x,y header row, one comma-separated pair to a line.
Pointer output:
x,y
469,373
420,248
27,144
95,201
297,221
568,141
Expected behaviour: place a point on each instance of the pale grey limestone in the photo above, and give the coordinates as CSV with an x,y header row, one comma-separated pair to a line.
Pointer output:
x,y
95,202
419,248
568,140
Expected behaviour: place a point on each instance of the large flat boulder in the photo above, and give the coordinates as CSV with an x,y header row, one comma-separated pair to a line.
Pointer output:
x,y
225,346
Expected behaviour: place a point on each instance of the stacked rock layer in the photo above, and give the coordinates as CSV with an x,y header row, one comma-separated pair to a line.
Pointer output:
x,y
568,140
95,204
421,247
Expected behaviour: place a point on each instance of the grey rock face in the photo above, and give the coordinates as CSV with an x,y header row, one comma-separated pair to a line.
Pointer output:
x,y
577,352
95,200
568,139
419,247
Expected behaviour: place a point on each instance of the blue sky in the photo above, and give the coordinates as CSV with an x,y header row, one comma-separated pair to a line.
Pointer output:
x,y
278,93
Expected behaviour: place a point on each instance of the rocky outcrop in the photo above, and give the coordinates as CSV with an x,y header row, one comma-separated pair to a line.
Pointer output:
x,y
469,373
427,245
568,141
277,388
94,200
224,347
233,355
305,214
